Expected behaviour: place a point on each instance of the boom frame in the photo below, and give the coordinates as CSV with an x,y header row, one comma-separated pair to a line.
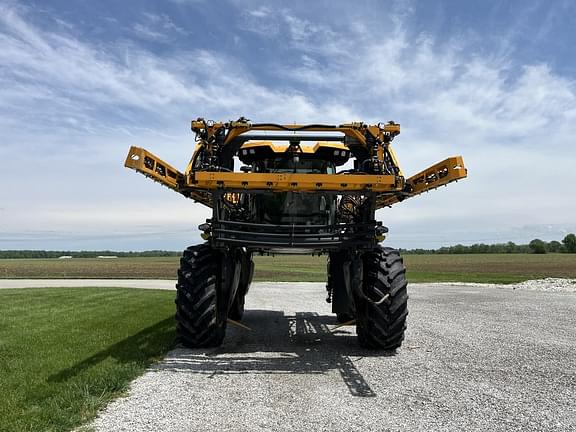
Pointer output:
x,y
376,173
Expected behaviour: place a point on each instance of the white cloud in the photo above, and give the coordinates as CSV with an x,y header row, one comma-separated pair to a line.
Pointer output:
x,y
297,32
69,108
56,69
158,28
185,2
146,32
69,69
261,12
514,124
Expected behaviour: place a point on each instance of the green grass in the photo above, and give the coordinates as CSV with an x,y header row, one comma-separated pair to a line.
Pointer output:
x,y
65,352
493,268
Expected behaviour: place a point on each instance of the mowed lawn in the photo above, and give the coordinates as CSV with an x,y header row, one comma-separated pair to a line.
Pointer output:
x,y
65,352
493,268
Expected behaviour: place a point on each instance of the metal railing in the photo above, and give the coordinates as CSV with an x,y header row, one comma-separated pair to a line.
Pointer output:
x,y
294,236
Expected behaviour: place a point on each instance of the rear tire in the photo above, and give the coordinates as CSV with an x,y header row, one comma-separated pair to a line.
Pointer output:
x,y
197,322
381,323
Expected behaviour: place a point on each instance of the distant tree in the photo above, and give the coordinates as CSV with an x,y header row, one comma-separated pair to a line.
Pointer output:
x,y
510,247
459,249
554,246
537,246
570,243
482,248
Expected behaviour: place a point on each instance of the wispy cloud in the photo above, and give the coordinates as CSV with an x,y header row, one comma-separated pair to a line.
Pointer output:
x,y
261,12
84,80
184,2
297,32
445,84
70,105
56,69
57,89
158,28
514,123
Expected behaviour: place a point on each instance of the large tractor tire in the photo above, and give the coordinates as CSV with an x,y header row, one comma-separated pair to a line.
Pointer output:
x,y
237,308
197,322
382,304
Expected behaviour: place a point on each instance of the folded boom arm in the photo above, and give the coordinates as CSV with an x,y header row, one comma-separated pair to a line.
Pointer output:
x,y
376,171
390,189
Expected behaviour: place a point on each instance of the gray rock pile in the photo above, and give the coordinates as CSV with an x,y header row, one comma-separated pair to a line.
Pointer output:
x,y
548,284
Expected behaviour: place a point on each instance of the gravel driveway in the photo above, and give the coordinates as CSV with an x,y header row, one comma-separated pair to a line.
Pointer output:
x,y
475,358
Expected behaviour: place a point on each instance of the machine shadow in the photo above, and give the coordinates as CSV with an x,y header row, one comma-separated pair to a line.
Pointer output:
x,y
141,347
279,344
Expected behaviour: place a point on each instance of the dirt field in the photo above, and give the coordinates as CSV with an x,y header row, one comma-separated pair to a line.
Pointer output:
x,y
494,268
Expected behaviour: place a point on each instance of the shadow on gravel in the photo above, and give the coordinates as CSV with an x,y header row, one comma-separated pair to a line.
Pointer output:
x,y
280,344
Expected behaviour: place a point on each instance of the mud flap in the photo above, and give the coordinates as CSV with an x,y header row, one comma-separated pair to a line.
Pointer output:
x,y
231,267
341,282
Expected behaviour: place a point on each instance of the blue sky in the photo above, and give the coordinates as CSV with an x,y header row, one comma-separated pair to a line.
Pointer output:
x,y
82,81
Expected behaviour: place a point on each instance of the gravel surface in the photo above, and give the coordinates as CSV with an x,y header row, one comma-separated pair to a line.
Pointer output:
x,y
476,358
548,284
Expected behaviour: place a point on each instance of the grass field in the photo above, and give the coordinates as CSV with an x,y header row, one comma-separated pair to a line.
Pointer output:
x,y
494,268
65,352
489,268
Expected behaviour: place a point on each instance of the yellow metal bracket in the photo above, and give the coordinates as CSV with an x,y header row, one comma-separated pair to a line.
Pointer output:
x,y
151,166
440,174
285,182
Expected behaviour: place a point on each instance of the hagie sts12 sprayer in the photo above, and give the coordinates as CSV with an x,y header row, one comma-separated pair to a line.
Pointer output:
x,y
304,189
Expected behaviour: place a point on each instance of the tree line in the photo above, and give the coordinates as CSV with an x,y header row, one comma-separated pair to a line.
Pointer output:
x,y
541,247
83,254
567,245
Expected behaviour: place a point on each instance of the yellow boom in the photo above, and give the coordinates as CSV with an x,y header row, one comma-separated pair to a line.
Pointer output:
x,y
369,143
